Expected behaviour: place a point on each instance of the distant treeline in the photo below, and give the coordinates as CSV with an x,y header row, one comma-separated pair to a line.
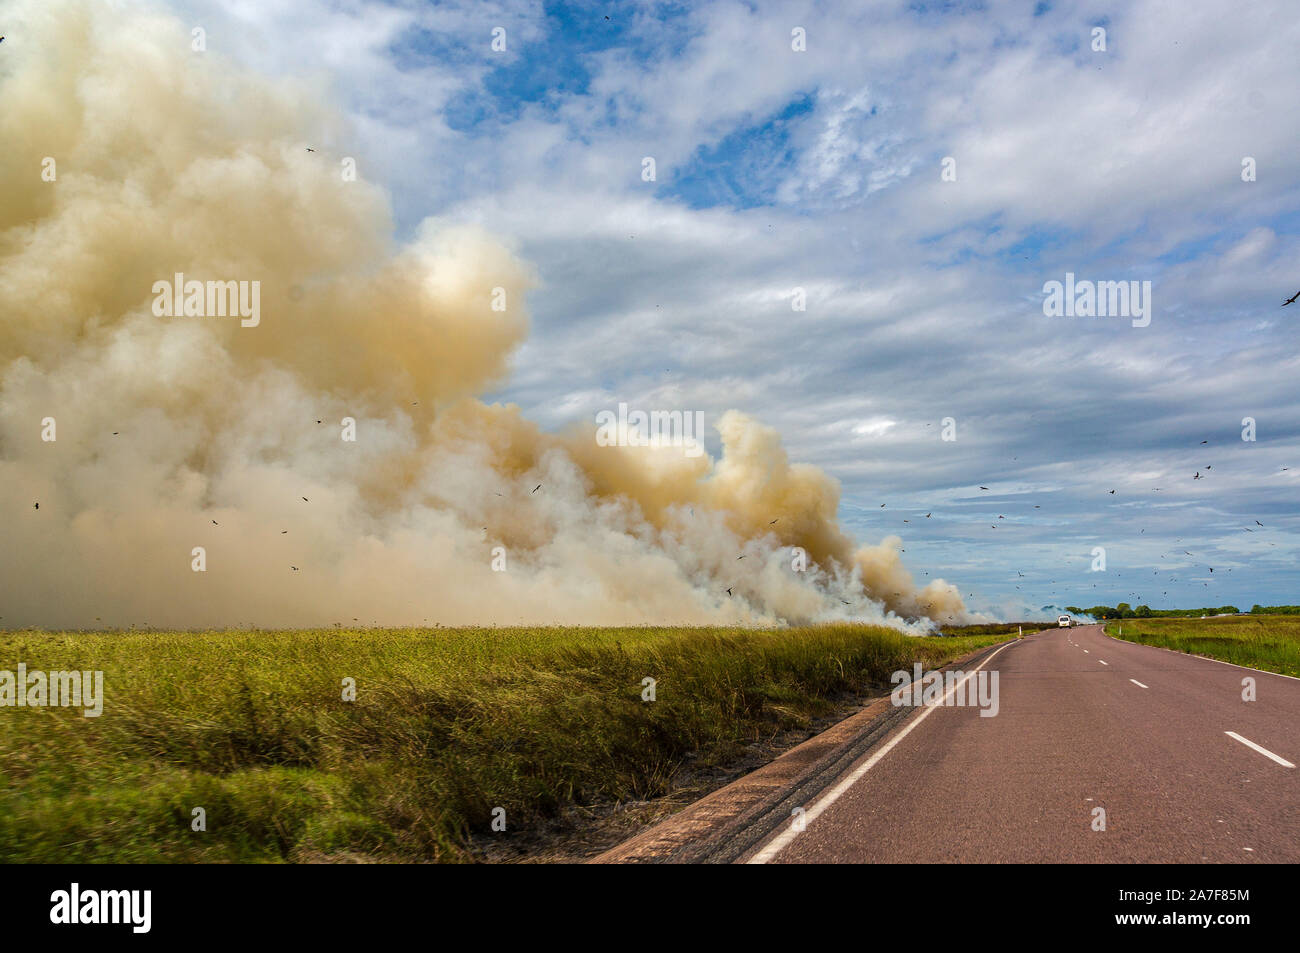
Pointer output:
x,y
1126,611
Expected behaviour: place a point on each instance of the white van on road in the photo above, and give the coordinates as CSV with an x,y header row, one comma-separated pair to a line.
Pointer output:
x,y
1063,622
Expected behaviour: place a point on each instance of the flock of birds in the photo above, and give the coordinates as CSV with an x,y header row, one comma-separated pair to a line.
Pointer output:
x,y
1196,476
730,589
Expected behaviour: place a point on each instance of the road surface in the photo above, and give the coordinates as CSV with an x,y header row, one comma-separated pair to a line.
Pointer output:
x,y
1185,769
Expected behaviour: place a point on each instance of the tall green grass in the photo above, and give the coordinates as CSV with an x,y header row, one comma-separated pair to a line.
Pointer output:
x,y
1271,643
447,725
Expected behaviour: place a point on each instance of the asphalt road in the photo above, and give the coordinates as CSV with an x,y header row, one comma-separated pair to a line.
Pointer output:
x,y
1083,722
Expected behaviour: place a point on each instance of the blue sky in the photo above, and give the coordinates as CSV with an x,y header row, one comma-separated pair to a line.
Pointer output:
x,y
820,169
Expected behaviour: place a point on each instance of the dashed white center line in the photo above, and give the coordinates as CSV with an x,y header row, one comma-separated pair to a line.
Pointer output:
x,y
1103,661
1086,652
1264,751
1137,683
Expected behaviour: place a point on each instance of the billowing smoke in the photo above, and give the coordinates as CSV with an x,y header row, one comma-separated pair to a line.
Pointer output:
x,y
129,158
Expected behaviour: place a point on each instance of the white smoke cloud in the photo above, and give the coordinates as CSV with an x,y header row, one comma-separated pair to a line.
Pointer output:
x,y
183,432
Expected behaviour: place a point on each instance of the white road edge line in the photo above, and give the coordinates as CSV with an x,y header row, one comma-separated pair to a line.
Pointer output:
x,y
783,839
1138,684
1103,661
1264,751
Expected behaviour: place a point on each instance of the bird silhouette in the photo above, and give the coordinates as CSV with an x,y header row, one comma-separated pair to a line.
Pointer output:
x,y
728,590
983,488
1288,301
535,489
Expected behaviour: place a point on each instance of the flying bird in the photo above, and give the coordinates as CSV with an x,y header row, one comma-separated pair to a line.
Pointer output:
x,y
983,488
215,523
535,489
1112,492
927,515
294,568
774,522
728,590
310,149
740,557
1288,301
305,500
36,506
1258,523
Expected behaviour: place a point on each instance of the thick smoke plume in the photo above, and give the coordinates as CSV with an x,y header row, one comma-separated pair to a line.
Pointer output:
x,y
179,432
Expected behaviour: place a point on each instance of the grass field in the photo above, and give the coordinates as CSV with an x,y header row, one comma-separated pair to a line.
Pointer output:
x,y
447,725
1268,642
1003,629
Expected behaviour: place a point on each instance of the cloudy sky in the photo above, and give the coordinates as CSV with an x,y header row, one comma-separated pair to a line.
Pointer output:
x,y
820,169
